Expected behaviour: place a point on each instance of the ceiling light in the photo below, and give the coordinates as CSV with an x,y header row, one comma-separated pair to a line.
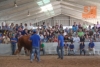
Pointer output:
x,y
15,4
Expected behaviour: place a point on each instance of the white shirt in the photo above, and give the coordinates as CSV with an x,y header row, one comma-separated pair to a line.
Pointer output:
x,y
65,33
76,39
98,25
41,37
30,27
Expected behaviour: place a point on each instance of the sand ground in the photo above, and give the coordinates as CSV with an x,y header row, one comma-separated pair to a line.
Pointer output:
x,y
50,61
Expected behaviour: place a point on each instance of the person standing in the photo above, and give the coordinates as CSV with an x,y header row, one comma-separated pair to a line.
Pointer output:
x,y
13,44
35,46
60,45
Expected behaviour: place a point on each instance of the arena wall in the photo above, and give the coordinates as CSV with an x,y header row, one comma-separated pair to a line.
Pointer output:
x,y
50,48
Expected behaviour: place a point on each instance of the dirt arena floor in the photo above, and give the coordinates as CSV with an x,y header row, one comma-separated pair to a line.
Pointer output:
x,y
50,61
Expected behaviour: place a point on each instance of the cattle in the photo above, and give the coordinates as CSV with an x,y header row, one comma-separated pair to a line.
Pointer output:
x,y
24,42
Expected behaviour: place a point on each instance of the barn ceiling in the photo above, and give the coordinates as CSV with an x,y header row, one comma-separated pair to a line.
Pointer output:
x,y
36,10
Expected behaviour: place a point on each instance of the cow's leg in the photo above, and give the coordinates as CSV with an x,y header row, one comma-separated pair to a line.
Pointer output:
x,y
18,50
26,51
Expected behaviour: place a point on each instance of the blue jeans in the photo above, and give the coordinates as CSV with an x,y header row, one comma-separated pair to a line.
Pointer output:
x,y
0,41
60,54
82,50
37,51
71,51
43,50
13,48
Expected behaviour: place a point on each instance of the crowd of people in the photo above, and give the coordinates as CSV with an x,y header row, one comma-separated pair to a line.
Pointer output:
x,y
49,33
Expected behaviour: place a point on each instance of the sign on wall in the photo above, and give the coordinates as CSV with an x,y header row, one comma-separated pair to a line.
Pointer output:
x,y
89,12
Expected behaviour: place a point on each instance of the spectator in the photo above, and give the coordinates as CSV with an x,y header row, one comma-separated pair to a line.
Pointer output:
x,y
70,32
91,33
41,36
97,34
71,49
57,26
44,26
13,44
94,28
25,26
30,26
84,26
45,39
74,28
55,39
76,39
82,39
16,27
66,47
61,27
6,40
71,39
20,29
98,25
79,26
11,27
6,27
21,26
67,30
3,36
56,33
42,48
89,28
82,48
66,38
80,33
24,32
19,35
91,47
3,25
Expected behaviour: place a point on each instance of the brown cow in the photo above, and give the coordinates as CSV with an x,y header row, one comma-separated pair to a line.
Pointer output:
x,y
23,42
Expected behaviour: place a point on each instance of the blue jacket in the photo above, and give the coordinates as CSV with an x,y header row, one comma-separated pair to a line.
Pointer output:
x,y
82,46
91,45
74,28
71,46
12,42
35,40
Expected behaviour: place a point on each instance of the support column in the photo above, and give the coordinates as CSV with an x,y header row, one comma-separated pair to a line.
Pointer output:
x,y
52,21
69,21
